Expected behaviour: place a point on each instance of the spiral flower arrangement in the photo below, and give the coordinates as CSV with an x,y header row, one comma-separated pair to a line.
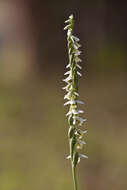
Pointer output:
x,y
75,121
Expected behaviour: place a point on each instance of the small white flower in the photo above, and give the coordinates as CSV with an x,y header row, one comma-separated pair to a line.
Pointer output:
x,y
69,113
79,102
70,102
68,78
79,160
71,17
69,33
77,52
67,103
79,73
83,156
78,66
68,95
76,46
68,65
68,87
80,111
76,93
81,142
72,39
68,157
68,72
74,120
75,112
66,21
76,39
77,59
65,87
82,132
81,120
79,146
67,27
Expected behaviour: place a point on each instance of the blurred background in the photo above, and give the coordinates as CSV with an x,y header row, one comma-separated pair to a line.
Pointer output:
x,y
33,127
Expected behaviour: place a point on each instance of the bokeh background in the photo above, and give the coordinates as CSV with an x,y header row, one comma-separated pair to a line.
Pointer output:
x,y
33,127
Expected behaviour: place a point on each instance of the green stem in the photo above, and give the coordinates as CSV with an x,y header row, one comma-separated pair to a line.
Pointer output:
x,y
74,177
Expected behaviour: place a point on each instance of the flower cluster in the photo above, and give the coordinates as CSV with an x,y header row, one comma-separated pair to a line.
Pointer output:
x,y
75,121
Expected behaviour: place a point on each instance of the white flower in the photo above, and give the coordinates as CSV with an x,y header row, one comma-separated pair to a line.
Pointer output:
x,y
68,65
69,33
80,111
77,52
69,113
79,102
83,156
76,93
77,59
68,157
76,45
68,72
81,142
71,17
76,39
67,27
82,132
79,146
67,103
68,95
81,120
68,79
70,102
72,39
75,112
67,21
79,73
68,87
78,66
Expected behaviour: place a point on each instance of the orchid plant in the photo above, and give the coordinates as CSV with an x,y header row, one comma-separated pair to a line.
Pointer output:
x,y
75,121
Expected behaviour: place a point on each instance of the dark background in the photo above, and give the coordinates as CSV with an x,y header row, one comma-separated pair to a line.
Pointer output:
x,y
33,127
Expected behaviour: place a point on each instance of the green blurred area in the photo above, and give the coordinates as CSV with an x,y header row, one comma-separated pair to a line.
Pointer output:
x,y
33,133
33,138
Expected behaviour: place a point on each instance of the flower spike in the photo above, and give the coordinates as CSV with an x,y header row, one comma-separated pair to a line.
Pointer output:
x,y
75,121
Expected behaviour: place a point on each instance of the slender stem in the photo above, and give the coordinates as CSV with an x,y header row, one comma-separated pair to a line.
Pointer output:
x,y
74,177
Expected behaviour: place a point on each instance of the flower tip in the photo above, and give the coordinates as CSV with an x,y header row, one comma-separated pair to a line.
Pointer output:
x,y
83,156
71,16
68,157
